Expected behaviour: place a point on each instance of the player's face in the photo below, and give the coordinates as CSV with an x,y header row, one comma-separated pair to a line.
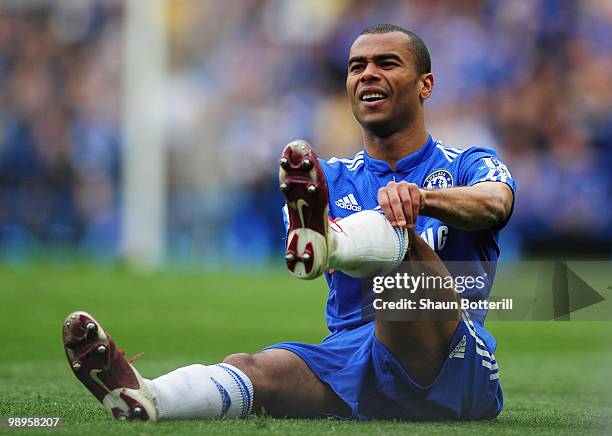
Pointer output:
x,y
384,89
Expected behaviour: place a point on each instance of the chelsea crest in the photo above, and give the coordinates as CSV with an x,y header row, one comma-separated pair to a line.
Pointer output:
x,y
439,179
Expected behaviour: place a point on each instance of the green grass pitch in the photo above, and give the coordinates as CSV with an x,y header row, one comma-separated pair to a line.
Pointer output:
x,y
556,375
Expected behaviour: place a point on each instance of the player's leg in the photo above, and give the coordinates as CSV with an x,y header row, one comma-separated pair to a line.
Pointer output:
x,y
276,380
359,245
421,346
282,385
286,387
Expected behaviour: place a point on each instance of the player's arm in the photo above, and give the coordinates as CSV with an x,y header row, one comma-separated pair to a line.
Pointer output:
x,y
485,205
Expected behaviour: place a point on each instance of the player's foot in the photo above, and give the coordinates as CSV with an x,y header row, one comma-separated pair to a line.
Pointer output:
x,y
101,367
303,184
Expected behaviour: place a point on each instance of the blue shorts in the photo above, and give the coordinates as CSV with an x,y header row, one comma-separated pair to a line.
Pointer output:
x,y
364,373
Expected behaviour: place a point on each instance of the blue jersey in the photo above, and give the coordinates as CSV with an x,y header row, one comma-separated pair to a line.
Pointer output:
x,y
353,186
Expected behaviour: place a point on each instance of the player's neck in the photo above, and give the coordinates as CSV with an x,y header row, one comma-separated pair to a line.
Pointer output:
x,y
396,146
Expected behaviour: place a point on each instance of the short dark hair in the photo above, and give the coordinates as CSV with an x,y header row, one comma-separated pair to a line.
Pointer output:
x,y
422,61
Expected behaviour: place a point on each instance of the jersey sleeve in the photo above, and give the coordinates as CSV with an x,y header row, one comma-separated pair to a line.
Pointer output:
x,y
484,165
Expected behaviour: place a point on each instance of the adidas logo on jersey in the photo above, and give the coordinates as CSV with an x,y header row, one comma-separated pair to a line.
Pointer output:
x,y
348,202
459,351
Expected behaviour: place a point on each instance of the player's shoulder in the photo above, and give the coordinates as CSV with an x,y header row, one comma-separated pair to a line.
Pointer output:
x,y
344,165
445,152
459,156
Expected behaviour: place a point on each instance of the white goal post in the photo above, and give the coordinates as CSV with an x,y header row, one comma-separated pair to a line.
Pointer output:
x,y
144,167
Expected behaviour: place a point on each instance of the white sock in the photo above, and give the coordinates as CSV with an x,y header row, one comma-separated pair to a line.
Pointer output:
x,y
199,391
365,243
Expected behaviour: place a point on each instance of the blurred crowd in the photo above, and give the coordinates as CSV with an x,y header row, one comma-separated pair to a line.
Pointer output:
x,y
60,87
529,78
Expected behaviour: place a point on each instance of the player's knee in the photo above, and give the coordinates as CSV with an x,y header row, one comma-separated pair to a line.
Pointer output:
x,y
242,361
253,368
248,364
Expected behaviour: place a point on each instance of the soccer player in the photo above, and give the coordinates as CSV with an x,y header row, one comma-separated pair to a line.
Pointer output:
x,y
405,197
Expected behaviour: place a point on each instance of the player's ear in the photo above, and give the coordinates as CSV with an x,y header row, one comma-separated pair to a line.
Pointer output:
x,y
427,84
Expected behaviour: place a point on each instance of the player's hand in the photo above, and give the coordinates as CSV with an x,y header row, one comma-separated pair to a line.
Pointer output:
x,y
401,202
